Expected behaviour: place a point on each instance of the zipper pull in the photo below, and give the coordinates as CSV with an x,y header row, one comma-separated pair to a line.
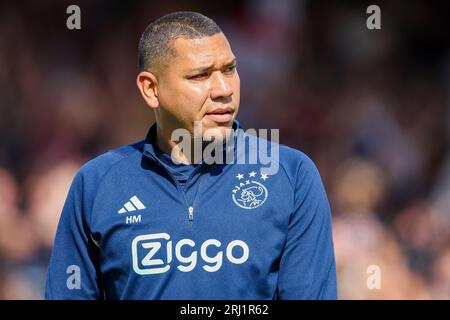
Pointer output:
x,y
191,213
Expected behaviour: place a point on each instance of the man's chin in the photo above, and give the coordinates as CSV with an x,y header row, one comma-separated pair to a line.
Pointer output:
x,y
218,133
211,122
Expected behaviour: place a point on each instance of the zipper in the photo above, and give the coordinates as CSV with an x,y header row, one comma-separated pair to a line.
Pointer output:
x,y
191,214
200,180
190,208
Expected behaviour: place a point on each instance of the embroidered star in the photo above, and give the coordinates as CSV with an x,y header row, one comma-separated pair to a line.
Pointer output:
x,y
252,174
247,182
264,176
240,176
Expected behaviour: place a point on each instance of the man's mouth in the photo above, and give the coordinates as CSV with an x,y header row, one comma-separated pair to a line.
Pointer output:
x,y
220,115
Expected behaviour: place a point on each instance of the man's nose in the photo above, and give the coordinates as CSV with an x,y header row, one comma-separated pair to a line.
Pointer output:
x,y
220,86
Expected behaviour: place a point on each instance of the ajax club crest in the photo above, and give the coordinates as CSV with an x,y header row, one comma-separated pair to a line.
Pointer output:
x,y
250,193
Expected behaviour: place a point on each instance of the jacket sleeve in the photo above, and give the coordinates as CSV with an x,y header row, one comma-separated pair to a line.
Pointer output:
x,y
307,266
73,269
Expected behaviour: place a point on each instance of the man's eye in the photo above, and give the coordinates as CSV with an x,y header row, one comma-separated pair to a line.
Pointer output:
x,y
230,69
203,75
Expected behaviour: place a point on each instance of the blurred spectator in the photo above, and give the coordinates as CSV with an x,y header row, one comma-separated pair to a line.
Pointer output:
x,y
48,190
440,284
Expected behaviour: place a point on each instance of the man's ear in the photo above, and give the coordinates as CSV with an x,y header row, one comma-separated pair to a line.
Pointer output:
x,y
148,85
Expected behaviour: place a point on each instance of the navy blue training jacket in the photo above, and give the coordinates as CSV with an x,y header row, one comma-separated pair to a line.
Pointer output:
x,y
129,230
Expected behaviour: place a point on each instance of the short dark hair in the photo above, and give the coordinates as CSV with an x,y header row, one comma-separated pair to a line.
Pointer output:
x,y
155,44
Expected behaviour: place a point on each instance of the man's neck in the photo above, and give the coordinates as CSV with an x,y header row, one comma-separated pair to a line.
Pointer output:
x,y
167,145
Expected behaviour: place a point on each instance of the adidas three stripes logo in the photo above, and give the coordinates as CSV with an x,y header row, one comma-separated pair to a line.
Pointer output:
x,y
132,205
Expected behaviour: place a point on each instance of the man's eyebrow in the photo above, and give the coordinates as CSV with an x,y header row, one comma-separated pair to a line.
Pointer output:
x,y
210,66
231,62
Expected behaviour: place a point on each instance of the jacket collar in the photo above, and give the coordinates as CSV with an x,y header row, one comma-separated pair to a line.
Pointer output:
x,y
150,142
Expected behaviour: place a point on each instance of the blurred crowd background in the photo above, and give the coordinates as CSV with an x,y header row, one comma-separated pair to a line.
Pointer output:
x,y
370,107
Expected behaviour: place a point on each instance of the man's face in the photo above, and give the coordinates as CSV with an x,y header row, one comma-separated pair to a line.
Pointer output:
x,y
200,84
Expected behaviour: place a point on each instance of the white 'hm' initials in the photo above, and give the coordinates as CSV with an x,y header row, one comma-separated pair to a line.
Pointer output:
x,y
133,219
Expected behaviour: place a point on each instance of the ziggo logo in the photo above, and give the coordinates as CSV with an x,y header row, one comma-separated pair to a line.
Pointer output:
x,y
145,247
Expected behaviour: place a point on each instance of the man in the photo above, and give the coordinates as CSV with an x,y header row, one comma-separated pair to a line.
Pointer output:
x,y
145,222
